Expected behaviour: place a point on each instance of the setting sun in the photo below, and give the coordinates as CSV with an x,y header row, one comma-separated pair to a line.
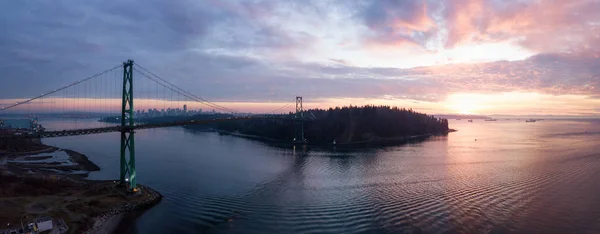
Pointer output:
x,y
463,104
465,108
263,116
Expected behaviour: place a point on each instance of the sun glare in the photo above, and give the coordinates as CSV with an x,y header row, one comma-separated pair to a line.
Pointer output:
x,y
462,104
465,108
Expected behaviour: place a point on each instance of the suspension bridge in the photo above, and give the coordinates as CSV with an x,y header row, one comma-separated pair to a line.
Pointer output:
x,y
110,95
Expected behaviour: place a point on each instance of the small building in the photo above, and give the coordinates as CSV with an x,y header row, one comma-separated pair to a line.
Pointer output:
x,y
44,224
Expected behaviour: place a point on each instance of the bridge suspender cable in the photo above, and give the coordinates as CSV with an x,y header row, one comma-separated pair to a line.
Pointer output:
x,y
60,89
280,108
182,91
194,97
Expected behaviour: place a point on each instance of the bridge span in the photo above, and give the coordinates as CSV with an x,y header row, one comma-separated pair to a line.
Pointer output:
x,y
106,91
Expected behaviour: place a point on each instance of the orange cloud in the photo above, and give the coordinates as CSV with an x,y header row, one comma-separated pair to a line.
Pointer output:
x,y
397,23
544,26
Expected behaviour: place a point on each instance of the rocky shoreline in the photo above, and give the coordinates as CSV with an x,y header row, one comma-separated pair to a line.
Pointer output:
x,y
108,221
42,163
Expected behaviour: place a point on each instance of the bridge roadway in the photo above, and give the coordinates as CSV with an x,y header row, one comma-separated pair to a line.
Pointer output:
x,y
88,131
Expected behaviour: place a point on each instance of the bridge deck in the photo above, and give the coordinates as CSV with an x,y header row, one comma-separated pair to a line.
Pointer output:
x,y
88,131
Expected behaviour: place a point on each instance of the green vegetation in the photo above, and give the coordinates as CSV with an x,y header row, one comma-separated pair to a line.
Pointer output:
x,y
170,119
344,125
15,145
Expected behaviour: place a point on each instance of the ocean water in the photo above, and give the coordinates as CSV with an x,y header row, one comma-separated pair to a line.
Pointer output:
x,y
15,123
489,177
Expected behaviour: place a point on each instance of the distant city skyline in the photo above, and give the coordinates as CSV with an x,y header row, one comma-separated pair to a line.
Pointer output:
x,y
543,107
154,112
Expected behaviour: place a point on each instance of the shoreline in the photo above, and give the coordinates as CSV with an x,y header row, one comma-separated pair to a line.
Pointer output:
x,y
82,160
35,161
110,224
371,143
110,220
31,164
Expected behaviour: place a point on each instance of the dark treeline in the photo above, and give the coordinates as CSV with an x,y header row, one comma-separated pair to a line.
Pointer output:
x,y
16,145
344,125
169,119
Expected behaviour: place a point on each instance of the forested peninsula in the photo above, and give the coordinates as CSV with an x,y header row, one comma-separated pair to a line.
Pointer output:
x,y
343,125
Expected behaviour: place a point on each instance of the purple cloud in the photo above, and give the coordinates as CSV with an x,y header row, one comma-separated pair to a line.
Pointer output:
x,y
253,50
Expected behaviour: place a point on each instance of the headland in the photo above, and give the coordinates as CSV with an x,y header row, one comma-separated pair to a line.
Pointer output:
x,y
38,180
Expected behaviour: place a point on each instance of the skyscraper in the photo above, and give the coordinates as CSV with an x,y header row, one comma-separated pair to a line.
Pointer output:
x,y
184,108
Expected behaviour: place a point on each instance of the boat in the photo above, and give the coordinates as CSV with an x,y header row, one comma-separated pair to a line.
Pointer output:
x,y
491,120
471,120
530,120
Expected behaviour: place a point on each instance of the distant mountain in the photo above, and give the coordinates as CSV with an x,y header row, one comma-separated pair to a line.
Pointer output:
x,y
495,116
459,116
549,116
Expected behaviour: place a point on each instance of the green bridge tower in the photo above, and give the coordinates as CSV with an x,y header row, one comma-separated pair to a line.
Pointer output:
x,y
127,130
299,122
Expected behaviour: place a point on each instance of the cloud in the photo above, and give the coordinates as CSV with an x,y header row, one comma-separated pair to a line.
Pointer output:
x,y
269,50
397,16
55,43
555,74
547,73
392,22
544,26
340,61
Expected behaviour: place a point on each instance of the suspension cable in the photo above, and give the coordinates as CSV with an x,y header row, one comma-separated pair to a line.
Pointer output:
x,y
59,89
197,98
180,91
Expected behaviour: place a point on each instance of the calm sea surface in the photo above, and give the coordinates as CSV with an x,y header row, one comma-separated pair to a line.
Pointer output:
x,y
489,177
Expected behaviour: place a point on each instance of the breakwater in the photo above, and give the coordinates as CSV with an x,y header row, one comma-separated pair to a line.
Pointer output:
x,y
149,198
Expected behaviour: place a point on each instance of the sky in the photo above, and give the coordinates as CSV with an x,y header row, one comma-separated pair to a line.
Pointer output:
x,y
456,56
